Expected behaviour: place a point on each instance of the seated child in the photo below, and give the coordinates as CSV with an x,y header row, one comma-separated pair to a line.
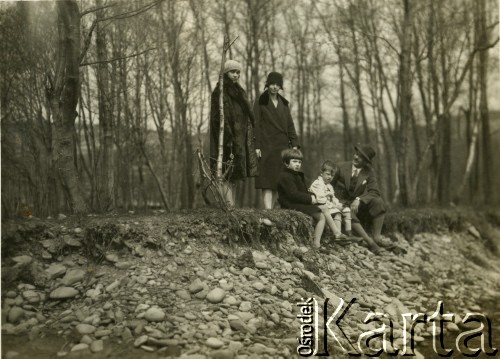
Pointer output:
x,y
293,193
324,192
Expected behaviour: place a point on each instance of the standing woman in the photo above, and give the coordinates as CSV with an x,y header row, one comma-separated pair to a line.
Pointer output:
x,y
274,132
239,139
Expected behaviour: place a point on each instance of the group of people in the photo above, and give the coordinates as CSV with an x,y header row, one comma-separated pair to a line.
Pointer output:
x,y
261,142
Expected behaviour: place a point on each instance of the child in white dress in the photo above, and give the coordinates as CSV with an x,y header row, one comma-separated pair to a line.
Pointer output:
x,y
324,192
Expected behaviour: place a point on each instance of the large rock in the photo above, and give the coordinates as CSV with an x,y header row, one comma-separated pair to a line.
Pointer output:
x,y
85,328
21,260
154,315
214,343
216,295
73,276
63,293
55,270
97,346
81,346
196,286
15,315
31,296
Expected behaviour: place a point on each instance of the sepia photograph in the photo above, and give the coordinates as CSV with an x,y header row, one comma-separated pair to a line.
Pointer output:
x,y
245,179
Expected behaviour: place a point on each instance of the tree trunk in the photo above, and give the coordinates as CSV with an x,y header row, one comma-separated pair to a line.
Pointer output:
x,y
105,120
487,184
63,97
346,129
407,195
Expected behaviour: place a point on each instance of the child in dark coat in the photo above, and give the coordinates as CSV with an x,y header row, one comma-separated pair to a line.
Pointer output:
x,y
293,193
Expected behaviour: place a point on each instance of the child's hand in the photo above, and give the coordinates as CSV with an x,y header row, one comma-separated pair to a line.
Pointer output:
x,y
314,200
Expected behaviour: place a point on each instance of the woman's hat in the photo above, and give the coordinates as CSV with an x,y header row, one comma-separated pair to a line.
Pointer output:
x,y
231,65
275,78
366,151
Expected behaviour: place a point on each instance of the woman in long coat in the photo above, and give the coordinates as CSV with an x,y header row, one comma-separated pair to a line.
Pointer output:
x,y
274,131
239,138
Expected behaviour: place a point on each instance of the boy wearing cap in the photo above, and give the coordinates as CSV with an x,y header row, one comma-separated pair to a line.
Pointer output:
x,y
355,185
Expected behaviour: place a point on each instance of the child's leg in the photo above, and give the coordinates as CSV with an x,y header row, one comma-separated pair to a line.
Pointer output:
x,y
346,213
337,218
329,220
318,229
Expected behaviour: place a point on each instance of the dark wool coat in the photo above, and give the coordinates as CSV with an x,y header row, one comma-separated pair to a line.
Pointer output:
x,y
293,193
239,138
366,188
274,132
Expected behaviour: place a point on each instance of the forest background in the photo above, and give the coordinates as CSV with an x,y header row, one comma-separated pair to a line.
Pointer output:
x,y
104,103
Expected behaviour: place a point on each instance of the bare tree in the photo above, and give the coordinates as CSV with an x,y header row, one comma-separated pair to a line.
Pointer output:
x,y
63,92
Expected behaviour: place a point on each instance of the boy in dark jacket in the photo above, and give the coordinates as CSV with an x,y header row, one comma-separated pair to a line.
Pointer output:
x,y
293,193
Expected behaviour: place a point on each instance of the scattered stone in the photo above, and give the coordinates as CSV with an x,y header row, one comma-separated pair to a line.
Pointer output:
x,y
97,346
140,341
214,343
63,293
11,294
73,276
225,285
147,348
86,339
183,294
196,286
31,296
102,333
124,265
15,315
22,260
473,230
266,221
55,270
72,242
245,306
216,295
85,328
259,286
452,327
154,315
81,346
111,257
113,286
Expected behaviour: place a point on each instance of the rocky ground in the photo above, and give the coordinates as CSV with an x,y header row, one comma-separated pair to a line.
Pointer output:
x,y
189,286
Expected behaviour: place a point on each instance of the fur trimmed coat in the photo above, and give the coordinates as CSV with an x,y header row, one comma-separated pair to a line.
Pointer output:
x,y
239,138
274,132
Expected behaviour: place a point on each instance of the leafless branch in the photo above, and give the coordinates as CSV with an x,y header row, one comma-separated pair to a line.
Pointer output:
x,y
131,13
117,58
87,41
94,9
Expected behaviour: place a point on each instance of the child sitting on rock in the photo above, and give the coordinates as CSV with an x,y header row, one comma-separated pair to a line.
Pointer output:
x,y
324,192
293,193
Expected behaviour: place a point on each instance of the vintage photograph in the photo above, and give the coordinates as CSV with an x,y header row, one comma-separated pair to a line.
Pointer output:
x,y
245,179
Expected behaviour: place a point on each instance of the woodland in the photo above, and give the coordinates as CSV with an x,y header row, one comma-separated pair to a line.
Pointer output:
x,y
104,104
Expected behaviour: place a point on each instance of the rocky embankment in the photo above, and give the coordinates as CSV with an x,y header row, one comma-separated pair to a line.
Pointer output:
x,y
179,286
